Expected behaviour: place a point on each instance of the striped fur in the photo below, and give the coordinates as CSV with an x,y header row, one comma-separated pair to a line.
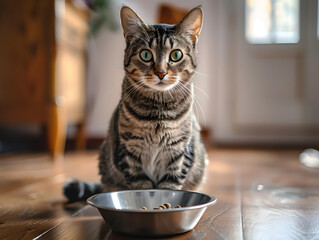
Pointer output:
x,y
154,138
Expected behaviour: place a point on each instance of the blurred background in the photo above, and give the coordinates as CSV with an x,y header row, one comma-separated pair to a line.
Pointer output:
x,y
61,69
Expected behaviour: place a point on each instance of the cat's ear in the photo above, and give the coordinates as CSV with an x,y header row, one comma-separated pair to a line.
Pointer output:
x,y
132,23
192,24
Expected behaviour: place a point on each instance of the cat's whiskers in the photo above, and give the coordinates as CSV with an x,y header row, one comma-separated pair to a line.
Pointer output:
x,y
201,91
202,74
130,88
128,93
127,90
137,88
196,101
181,91
181,88
184,92
169,91
197,104
133,89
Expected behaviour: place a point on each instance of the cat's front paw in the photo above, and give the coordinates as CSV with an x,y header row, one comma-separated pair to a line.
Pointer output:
x,y
169,185
142,185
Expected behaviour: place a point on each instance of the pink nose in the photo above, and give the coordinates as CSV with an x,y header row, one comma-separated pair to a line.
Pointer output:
x,y
161,75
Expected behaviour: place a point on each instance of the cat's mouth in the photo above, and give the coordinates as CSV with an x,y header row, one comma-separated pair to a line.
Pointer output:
x,y
162,86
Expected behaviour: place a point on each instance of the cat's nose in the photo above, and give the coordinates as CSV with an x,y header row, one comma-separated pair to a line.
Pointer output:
x,y
161,74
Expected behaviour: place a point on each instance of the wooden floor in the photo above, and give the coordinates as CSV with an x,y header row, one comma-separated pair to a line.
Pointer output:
x,y
262,194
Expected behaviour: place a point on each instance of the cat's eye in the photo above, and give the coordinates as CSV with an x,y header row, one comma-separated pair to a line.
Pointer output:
x,y
146,55
176,55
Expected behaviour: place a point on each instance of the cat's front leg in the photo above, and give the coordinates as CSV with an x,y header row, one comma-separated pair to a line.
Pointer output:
x,y
176,172
141,184
173,181
169,185
137,179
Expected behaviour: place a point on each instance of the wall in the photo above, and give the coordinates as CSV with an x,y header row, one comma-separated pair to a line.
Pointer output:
x,y
267,94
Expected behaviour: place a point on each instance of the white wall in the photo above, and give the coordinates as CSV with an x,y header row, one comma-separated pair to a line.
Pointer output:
x,y
106,51
267,94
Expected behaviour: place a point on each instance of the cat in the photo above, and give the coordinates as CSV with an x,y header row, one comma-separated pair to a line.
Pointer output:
x,y
154,138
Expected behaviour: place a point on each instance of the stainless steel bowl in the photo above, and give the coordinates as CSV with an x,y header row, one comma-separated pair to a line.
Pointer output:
x,y
121,211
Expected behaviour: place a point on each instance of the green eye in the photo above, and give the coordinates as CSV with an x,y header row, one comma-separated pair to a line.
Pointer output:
x,y
146,55
176,55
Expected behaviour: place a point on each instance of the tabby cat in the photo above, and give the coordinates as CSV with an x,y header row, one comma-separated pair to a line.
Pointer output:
x,y
154,138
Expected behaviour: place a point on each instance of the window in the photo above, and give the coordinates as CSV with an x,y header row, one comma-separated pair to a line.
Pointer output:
x,y
272,21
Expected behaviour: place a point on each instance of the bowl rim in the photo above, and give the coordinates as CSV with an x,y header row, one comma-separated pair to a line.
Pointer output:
x,y
212,201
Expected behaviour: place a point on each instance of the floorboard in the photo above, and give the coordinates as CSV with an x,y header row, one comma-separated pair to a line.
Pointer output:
x,y
262,194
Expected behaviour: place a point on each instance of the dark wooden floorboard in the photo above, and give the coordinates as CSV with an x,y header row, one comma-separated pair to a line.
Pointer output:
x,y
262,194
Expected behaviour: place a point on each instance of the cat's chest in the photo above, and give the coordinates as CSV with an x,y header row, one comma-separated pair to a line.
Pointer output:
x,y
152,145
154,162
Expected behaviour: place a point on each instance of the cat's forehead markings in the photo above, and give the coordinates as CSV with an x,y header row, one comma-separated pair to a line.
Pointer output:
x,y
153,44
168,43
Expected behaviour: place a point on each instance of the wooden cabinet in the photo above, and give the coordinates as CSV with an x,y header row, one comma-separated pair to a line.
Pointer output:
x,y
43,66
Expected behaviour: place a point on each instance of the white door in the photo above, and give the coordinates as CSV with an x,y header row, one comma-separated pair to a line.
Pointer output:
x,y
268,72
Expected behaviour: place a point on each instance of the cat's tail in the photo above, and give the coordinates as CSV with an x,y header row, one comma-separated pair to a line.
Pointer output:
x,y
77,190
